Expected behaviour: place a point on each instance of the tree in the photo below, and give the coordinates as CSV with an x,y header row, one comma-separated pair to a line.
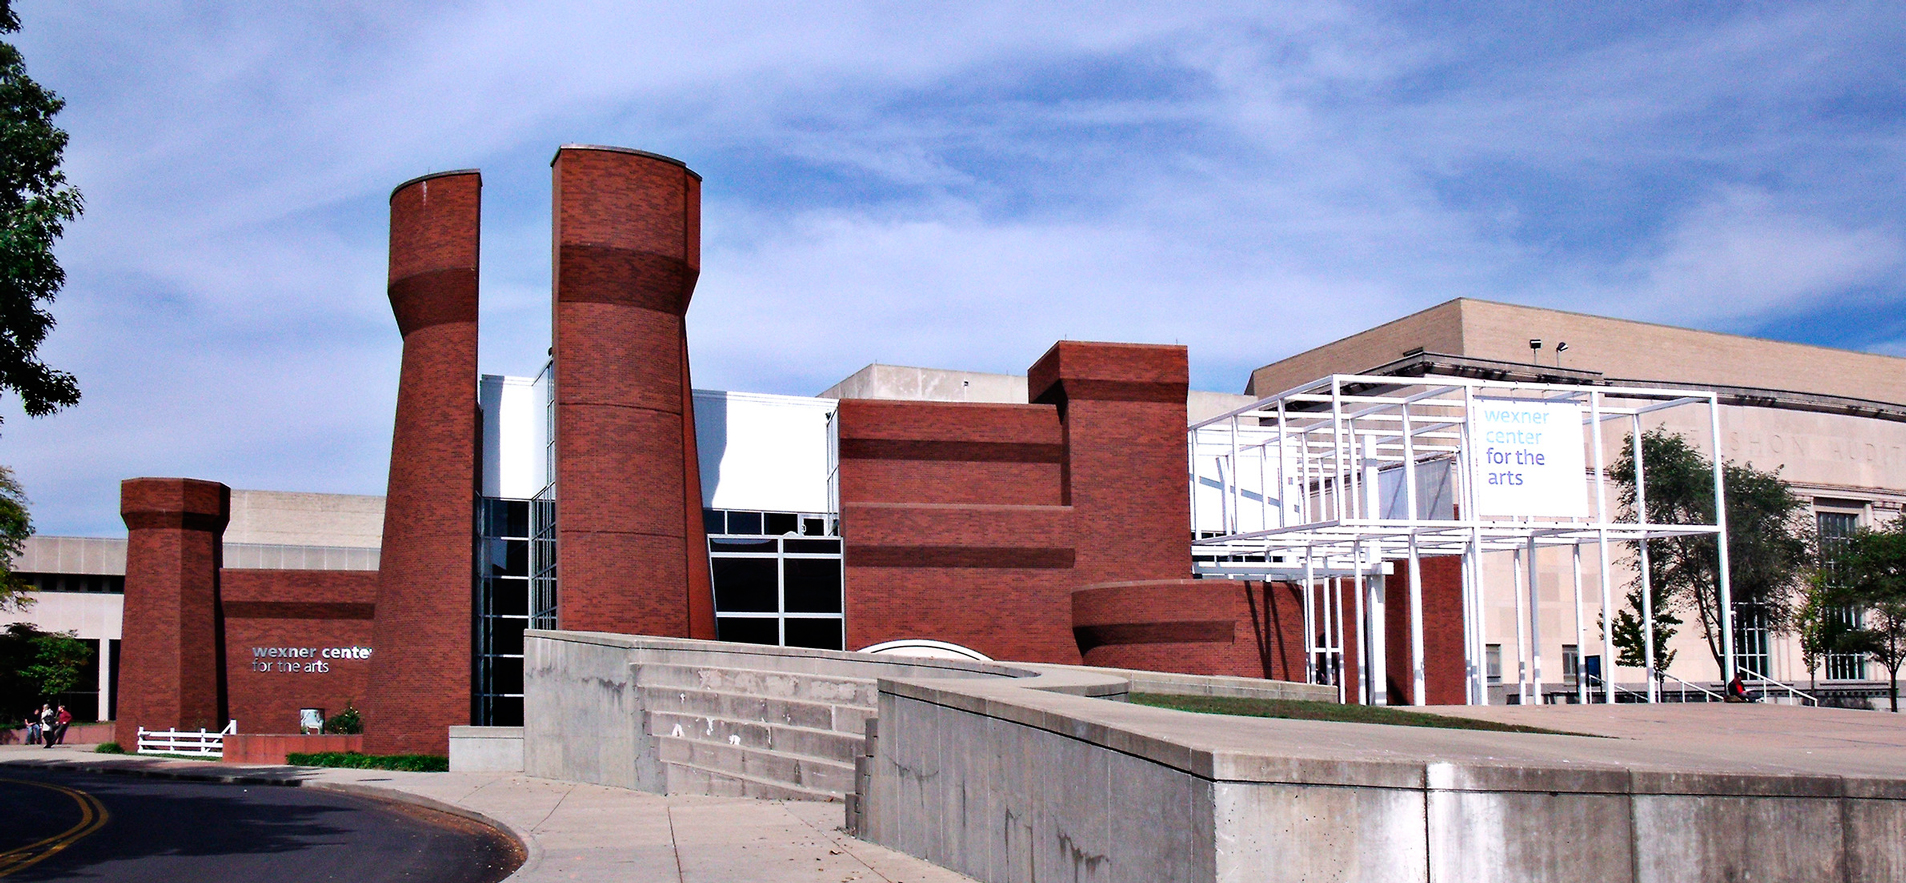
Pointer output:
x,y
1820,622
15,526
1628,638
36,666
36,204
1873,565
1769,540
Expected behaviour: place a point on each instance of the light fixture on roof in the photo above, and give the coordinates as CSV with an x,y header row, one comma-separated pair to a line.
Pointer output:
x,y
1560,348
1535,350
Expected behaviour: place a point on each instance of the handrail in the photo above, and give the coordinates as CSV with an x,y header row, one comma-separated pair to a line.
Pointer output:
x,y
1765,679
1599,682
1717,697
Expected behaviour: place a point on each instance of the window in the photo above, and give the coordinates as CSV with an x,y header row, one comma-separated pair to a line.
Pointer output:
x,y
1835,528
1495,663
777,578
503,608
1571,663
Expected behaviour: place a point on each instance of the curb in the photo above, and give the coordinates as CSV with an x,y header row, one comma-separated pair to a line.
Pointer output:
x,y
148,769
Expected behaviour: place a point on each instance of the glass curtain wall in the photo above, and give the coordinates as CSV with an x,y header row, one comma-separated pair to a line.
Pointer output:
x,y
503,610
1835,528
777,578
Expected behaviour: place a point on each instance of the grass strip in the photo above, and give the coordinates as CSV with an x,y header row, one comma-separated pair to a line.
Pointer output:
x,y
1302,709
409,763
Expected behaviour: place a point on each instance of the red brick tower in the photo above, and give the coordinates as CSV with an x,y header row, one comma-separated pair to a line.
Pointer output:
x,y
171,657
1123,409
630,553
420,671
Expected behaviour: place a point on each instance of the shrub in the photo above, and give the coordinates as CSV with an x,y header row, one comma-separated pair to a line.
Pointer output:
x,y
346,722
409,763
109,748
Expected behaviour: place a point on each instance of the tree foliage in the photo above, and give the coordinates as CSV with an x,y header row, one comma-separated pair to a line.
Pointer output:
x,y
1872,569
1769,542
36,204
1628,638
15,526
37,666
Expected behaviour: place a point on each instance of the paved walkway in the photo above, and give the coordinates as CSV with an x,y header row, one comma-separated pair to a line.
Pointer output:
x,y
579,832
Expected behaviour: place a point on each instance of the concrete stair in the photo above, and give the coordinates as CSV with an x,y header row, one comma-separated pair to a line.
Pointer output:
x,y
741,732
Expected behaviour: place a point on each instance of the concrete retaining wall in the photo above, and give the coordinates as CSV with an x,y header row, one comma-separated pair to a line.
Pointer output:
x,y
486,749
1003,781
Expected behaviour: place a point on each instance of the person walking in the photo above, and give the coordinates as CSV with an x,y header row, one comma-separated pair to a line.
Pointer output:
x,y
61,721
48,721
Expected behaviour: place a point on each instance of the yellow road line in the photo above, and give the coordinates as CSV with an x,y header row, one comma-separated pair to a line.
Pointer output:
x,y
92,817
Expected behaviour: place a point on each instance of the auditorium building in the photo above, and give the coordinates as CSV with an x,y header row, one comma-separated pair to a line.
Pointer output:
x,y
1038,517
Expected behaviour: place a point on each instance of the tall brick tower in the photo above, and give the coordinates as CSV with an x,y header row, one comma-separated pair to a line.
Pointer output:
x,y
1123,409
172,657
630,554
420,670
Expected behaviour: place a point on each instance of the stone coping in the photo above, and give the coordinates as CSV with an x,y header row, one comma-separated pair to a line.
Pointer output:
x,y
1275,751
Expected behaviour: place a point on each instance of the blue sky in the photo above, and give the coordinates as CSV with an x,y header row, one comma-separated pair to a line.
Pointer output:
x,y
953,185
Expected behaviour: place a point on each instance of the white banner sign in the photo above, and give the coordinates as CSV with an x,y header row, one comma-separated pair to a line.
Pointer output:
x,y
1527,458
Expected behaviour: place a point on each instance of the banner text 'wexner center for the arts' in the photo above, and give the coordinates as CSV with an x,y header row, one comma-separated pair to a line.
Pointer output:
x,y
303,659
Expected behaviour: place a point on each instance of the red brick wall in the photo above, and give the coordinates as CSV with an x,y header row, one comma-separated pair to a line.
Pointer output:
x,y
1211,627
627,254
324,611
1443,665
169,673
271,749
974,523
421,675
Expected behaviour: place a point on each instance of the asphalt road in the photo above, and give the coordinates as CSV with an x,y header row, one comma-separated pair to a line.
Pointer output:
x,y
56,825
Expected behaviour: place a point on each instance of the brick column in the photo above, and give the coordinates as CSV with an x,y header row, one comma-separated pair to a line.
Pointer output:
x,y
1122,406
171,663
422,637
627,254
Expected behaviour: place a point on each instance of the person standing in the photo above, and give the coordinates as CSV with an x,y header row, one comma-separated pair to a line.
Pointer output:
x,y
48,721
61,721
33,728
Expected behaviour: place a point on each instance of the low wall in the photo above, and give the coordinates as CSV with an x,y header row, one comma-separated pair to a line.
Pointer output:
x,y
486,749
272,748
1003,781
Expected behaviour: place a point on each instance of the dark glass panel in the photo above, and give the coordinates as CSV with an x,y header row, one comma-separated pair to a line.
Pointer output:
x,y
748,631
714,521
781,523
729,545
516,518
813,547
509,596
820,634
744,522
813,527
745,585
506,711
813,585
516,557
507,635
507,674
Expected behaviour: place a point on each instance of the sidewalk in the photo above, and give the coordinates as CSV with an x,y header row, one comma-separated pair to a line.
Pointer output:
x,y
575,832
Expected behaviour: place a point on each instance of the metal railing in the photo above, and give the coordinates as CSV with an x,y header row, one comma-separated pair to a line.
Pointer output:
x,y
1706,693
199,744
1801,694
1595,695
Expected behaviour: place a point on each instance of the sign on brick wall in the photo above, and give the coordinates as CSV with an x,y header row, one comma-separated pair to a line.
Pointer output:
x,y
1527,459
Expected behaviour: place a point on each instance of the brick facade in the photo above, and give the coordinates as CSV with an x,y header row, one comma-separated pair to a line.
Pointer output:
x,y
421,674
973,523
326,612
170,674
1243,628
1444,668
630,550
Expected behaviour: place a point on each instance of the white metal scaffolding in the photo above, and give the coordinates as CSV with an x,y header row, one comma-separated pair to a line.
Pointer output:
x,y
1356,475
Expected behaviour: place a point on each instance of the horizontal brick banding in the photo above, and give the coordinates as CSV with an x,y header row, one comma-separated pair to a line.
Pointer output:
x,y
434,298
958,451
1125,391
1002,527
624,276
297,610
173,521
958,556
1209,631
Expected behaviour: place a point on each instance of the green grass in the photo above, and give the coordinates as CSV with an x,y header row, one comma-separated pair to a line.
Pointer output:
x,y
108,748
1299,709
410,763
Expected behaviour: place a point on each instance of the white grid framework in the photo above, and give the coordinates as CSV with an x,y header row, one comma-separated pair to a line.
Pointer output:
x,y
1340,480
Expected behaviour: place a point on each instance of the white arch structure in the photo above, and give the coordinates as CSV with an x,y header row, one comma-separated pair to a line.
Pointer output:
x,y
1351,475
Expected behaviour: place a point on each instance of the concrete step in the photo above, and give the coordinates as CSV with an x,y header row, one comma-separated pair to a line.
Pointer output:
x,y
809,742
809,773
812,714
771,684
686,779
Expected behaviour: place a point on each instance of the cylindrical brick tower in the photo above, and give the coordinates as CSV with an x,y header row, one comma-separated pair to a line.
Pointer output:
x,y
421,642
172,656
628,507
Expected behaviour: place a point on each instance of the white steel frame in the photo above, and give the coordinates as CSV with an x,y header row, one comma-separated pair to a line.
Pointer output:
x,y
1339,434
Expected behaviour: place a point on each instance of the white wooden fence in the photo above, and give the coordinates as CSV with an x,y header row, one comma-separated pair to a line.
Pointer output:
x,y
200,743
